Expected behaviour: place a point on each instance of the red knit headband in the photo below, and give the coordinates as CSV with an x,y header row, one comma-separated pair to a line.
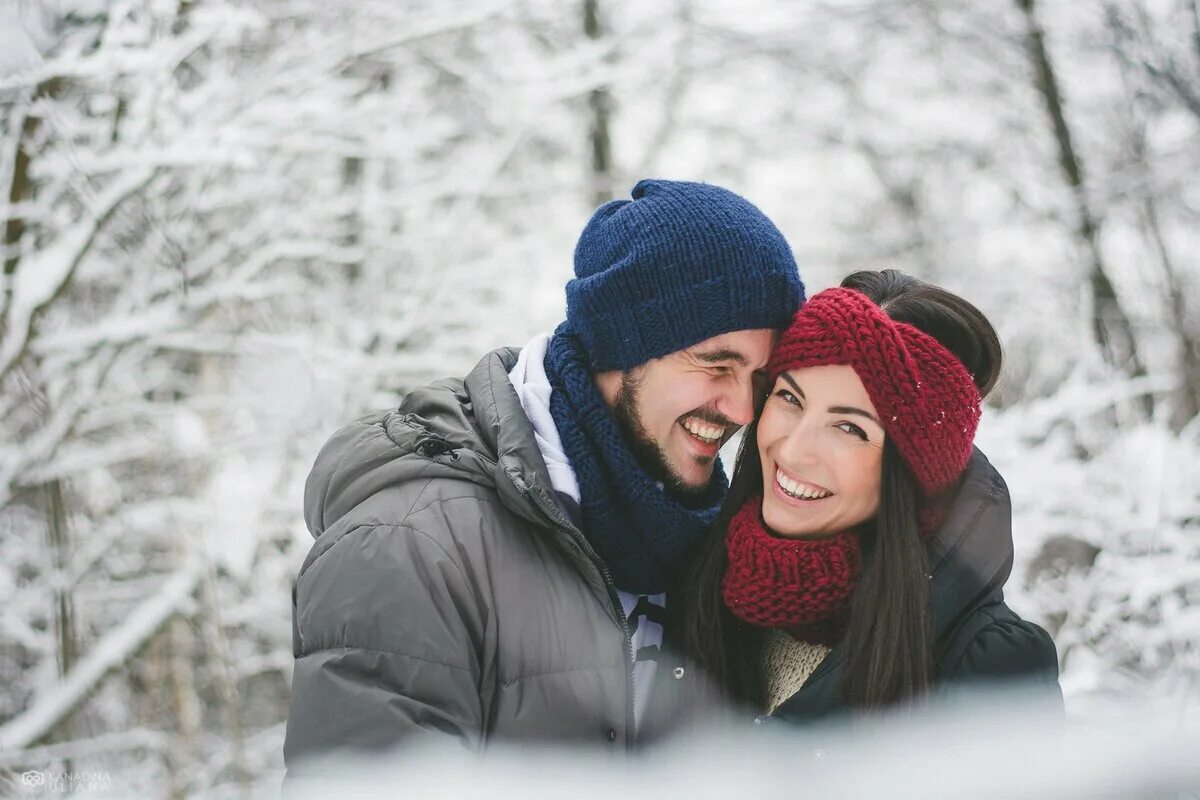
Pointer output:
x,y
926,400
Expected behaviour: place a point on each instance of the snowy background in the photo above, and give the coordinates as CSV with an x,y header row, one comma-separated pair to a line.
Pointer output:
x,y
230,226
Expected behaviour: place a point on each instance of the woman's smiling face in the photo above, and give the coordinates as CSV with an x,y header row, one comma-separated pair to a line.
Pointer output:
x,y
821,446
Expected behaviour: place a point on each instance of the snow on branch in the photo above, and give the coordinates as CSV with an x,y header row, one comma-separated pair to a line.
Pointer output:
x,y
114,649
452,22
121,741
45,274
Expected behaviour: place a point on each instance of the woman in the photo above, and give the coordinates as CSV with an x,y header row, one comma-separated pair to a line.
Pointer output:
x,y
859,558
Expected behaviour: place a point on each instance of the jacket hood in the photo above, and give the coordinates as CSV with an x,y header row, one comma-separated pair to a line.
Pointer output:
x,y
470,429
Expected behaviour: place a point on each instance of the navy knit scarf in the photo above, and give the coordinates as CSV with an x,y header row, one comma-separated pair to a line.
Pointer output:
x,y
642,533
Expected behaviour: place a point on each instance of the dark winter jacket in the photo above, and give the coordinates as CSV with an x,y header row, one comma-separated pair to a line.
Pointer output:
x,y
448,593
979,641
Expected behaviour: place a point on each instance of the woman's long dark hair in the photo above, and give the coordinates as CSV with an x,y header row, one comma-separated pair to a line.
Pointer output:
x,y
887,649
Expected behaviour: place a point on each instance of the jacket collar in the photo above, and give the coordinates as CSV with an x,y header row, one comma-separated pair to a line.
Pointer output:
x,y
521,476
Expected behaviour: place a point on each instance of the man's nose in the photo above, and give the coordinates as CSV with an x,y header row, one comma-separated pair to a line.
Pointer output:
x,y
738,404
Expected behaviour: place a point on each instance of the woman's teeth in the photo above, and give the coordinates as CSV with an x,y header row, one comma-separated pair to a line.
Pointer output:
x,y
704,432
798,490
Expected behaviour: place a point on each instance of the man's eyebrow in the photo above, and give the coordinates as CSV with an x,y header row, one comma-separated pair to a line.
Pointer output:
x,y
720,355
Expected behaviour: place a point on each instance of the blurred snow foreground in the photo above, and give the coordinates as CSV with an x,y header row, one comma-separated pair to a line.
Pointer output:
x,y
1001,745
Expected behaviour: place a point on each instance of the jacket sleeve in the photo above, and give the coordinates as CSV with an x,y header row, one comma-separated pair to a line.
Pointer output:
x,y
386,636
1006,650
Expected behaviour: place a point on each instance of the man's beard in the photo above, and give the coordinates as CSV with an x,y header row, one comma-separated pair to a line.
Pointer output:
x,y
646,451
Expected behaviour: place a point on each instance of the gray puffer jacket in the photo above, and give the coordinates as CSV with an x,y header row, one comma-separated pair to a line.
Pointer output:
x,y
448,592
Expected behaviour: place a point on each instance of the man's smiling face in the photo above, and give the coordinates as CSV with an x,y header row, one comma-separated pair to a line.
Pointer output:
x,y
677,411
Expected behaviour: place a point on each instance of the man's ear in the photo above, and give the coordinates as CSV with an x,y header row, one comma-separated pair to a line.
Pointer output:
x,y
609,384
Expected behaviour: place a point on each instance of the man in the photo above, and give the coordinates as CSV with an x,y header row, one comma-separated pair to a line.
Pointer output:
x,y
492,558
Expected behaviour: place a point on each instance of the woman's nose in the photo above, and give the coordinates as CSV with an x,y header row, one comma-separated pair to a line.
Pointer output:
x,y
801,446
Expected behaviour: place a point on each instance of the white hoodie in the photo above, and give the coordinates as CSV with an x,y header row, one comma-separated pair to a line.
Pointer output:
x,y
529,378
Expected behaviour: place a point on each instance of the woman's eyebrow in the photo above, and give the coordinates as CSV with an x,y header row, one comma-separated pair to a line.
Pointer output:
x,y
795,385
853,410
833,409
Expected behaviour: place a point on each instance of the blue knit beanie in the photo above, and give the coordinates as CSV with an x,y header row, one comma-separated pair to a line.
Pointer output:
x,y
679,263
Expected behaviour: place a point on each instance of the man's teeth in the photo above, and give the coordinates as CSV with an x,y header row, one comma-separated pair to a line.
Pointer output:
x,y
799,490
700,430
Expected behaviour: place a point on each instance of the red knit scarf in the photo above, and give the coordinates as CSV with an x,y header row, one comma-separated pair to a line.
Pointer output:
x,y
803,585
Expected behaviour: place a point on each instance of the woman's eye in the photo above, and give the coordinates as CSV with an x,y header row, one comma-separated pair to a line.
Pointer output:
x,y
851,428
787,396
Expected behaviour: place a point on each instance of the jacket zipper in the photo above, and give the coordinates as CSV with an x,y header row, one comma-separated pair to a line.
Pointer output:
x,y
630,705
613,598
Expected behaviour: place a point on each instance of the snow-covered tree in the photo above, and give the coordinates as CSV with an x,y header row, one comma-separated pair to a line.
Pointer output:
x,y
228,228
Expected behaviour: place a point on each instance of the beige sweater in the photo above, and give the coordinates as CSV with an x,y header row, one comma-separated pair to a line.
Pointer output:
x,y
786,664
